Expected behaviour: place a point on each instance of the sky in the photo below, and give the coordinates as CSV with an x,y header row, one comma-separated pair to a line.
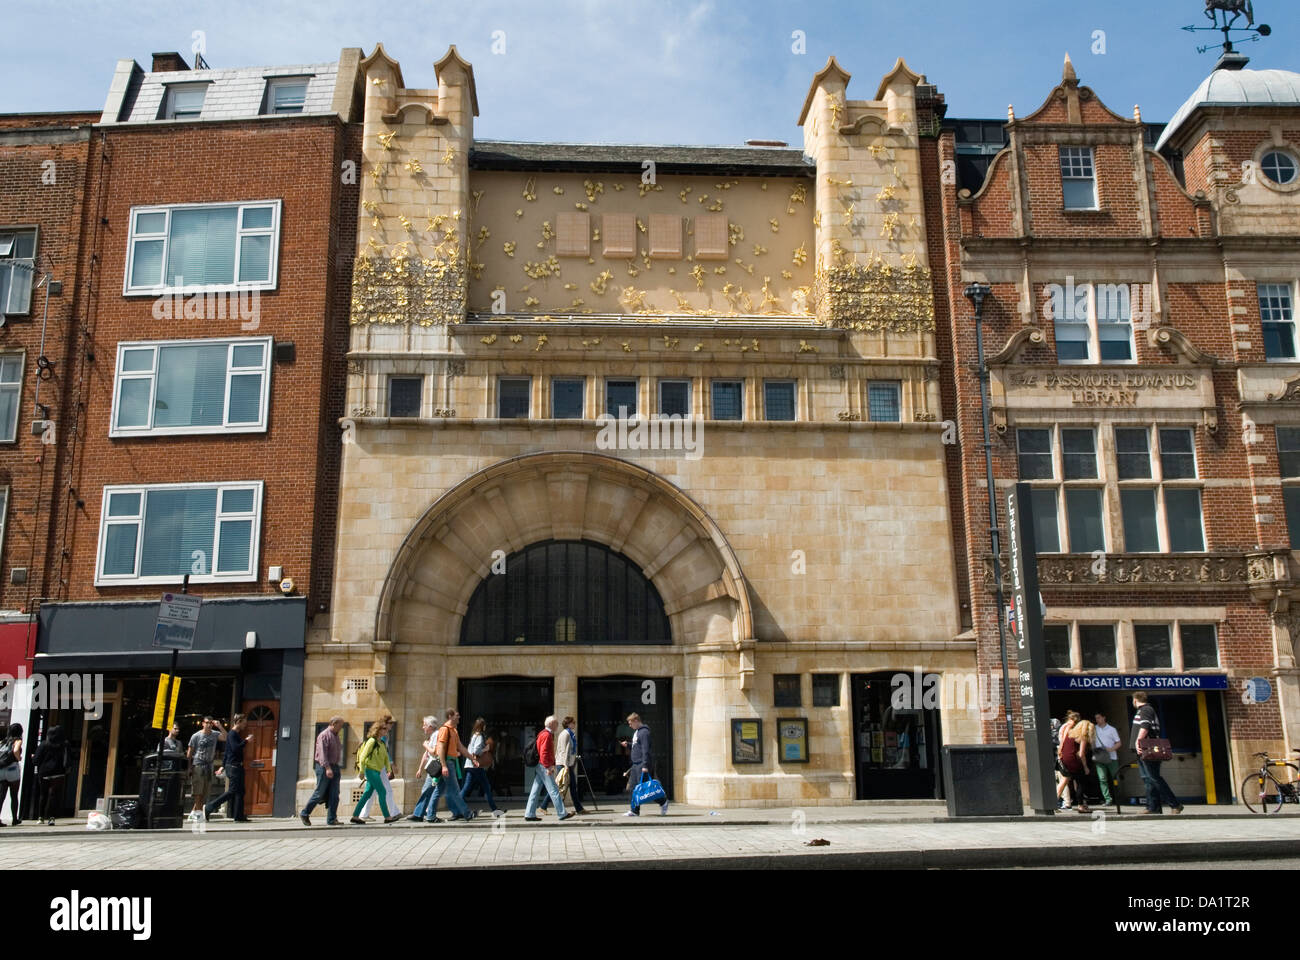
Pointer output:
x,y
654,71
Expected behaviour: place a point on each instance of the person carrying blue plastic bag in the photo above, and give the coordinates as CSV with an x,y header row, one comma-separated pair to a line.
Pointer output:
x,y
640,780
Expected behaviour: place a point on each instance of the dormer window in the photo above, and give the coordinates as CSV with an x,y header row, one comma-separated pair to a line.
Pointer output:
x,y
1279,167
285,95
184,101
1078,178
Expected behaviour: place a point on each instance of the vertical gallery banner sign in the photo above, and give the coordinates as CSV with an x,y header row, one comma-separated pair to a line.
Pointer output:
x,y
1031,658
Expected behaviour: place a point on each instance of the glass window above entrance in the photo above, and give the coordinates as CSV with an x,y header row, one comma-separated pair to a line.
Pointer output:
x,y
566,592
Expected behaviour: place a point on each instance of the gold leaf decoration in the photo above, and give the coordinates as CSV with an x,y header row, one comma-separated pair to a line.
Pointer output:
x,y
509,248
529,187
670,343
414,166
516,338
488,340
541,342
759,250
775,224
886,193
531,302
558,191
698,273
421,291
798,195
735,233
593,189
804,347
386,139
598,285
875,295
593,342
800,256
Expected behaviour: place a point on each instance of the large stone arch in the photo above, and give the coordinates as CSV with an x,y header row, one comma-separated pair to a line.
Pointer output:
x,y
567,495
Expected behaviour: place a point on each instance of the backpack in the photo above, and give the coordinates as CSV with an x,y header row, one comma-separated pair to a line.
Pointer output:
x,y
7,758
362,747
531,757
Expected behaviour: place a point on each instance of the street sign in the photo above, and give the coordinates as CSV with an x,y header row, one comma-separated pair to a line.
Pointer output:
x,y
163,721
1027,611
178,617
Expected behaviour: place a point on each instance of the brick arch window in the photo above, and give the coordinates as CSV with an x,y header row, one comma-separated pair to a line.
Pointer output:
x,y
560,592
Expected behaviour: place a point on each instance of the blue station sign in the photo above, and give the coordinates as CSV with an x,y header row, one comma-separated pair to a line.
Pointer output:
x,y
1170,682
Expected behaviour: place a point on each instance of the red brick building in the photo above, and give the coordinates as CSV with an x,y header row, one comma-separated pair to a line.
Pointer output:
x,y
1127,358
201,389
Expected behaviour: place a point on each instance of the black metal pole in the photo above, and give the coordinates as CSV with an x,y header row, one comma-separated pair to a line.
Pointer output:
x,y
976,292
171,678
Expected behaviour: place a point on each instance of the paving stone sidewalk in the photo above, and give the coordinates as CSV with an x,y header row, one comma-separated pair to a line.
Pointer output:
x,y
888,836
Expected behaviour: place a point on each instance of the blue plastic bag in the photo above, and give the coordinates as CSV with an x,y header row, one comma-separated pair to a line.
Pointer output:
x,y
648,791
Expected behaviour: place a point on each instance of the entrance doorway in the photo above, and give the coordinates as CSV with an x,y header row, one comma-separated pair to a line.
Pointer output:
x,y
98,754
603,706
514,708
259,756
1193,723
895,750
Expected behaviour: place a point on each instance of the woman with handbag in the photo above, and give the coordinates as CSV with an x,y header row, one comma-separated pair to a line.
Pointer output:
x,y
1076,748
11,772
1151,750
479,762
1062,734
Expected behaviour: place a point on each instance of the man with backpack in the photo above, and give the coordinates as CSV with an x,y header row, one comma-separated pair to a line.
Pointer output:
x,y
543,757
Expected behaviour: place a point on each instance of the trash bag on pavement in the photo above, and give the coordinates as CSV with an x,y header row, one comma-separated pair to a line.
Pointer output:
x,y
126,815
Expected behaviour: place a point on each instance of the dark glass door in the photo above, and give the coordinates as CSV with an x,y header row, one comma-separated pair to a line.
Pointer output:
x,y
514,708
99,750
603,706
896,750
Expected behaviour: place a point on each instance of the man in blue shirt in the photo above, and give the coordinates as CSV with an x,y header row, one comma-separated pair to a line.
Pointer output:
x,y
234,769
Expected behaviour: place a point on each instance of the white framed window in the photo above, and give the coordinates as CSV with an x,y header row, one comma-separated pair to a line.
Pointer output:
x,y
285,95
11,390
225,246
183,101
1068,502
1277,314
1160,497
1093,322
1078,178
17,271
159,533
191,386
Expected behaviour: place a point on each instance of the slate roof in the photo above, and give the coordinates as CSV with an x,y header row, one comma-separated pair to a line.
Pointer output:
x,y
628,158
233,94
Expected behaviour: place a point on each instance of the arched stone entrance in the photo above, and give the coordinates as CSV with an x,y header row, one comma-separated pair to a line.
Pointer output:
x,y
574,496
564,496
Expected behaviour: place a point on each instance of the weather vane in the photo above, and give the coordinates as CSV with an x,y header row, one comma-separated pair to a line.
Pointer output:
x,y
1231,11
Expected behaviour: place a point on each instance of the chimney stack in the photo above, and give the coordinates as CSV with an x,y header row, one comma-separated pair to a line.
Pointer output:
x,y
169,63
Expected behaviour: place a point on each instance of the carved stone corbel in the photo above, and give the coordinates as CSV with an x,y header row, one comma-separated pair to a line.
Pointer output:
x,y
1210,419
1019,340
1176,340
999,415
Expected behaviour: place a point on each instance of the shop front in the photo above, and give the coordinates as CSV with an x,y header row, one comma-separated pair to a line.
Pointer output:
x,y
1192,715
102,672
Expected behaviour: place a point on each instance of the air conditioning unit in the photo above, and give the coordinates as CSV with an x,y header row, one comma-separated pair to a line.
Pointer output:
x,y
18,575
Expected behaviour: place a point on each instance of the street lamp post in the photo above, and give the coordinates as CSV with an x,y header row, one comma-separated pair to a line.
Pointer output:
x,y
976,293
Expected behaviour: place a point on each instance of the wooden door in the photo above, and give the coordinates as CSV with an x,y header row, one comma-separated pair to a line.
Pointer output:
x,y
259,756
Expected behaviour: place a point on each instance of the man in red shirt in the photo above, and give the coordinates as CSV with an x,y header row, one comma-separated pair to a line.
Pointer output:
x,y
545,775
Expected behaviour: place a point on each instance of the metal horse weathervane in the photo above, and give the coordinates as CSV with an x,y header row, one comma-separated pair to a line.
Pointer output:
x,y
1231,11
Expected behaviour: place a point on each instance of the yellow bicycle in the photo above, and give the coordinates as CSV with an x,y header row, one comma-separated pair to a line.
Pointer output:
x,y
1266,791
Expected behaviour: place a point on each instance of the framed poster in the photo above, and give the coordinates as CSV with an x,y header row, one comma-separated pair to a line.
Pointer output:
x,y
792,739
747,741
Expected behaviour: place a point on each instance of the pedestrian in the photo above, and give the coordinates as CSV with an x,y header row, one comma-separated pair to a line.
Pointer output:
x,y
479,759
566,759
642,757
1076,750
233,766
327,759
1105,759
53,760
172,742
11,769
447,748
386,776
1062,734
545,775
202,754
372,758
423,772
1147,725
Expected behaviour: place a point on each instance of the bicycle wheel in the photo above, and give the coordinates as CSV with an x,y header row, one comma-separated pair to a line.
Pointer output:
x,y
1260,793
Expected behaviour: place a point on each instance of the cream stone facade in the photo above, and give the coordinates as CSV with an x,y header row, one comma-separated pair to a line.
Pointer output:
x,y
816,545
